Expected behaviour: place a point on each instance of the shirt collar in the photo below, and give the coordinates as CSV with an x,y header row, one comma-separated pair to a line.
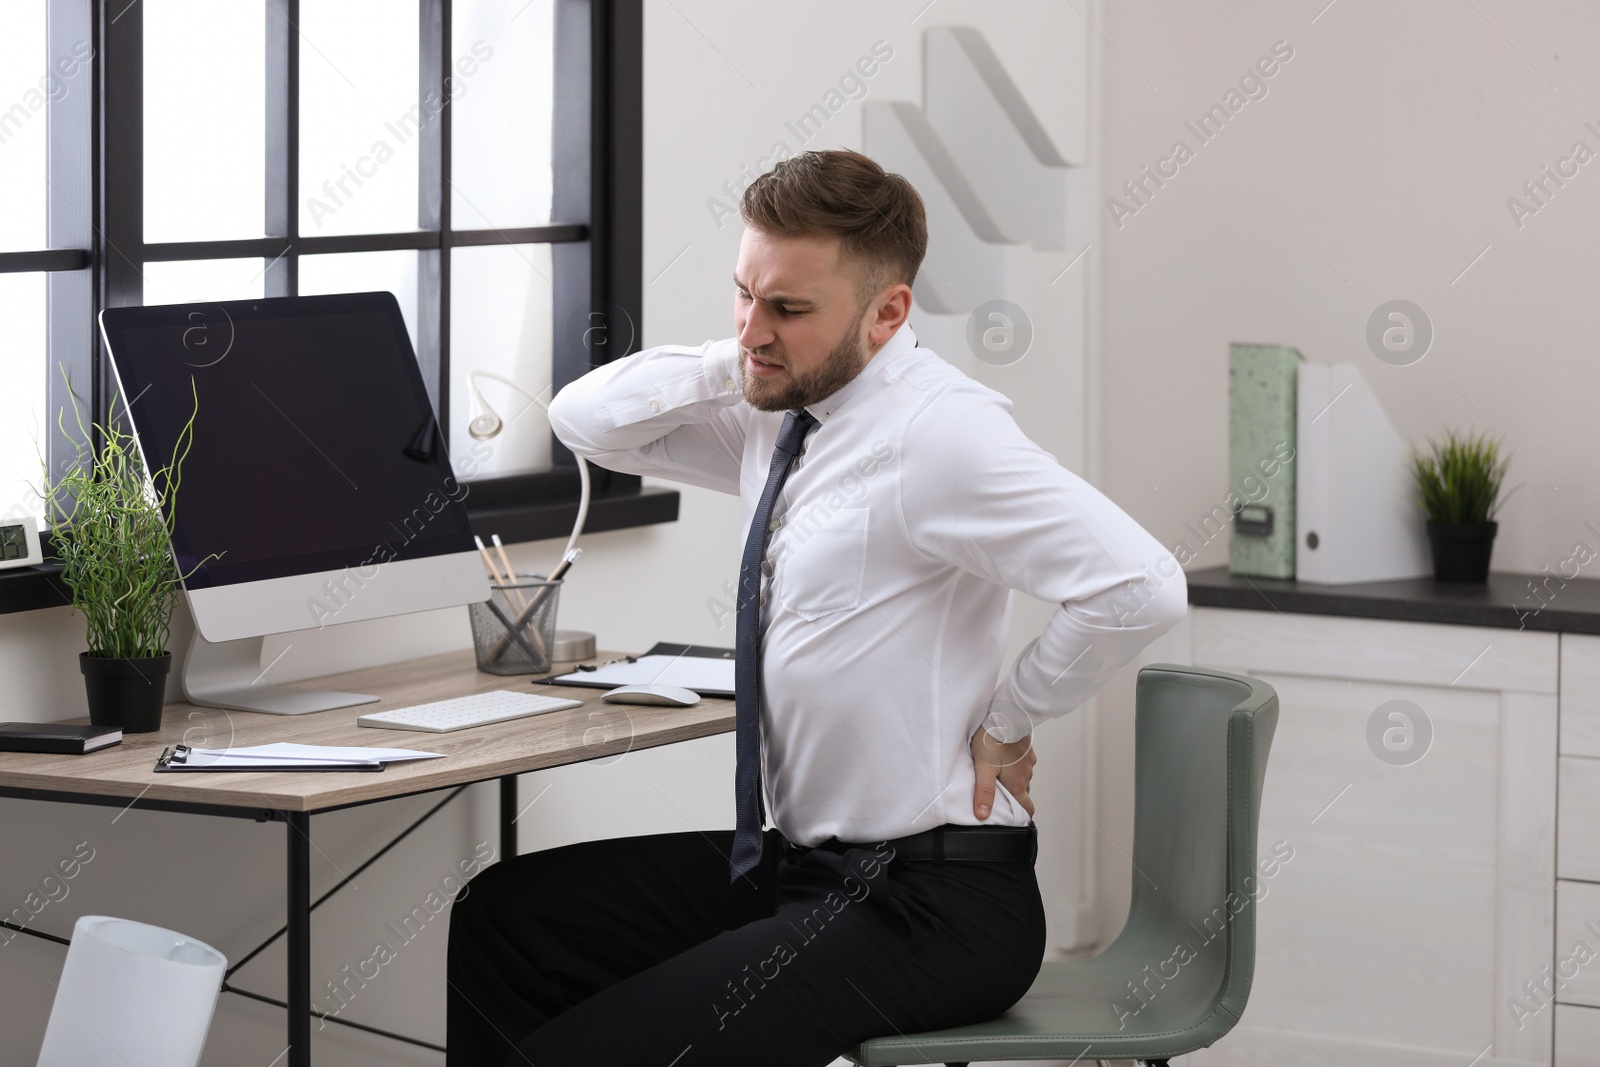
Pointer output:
x,y
893,350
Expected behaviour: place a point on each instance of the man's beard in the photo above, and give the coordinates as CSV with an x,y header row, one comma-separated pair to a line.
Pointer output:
x,y
836,372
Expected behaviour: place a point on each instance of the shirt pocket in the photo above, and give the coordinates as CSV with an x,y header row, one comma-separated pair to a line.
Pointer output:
x,y
823,573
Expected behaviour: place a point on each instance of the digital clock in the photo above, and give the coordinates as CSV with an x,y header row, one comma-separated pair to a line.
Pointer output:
x,y
19,542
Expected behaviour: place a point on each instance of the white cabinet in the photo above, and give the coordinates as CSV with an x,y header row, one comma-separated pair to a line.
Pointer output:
x,y
1422,890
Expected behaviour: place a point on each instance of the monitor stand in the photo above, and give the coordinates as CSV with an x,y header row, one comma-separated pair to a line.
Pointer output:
x,y
226,674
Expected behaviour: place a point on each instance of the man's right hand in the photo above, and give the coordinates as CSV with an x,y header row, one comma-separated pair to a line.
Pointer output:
x,y
1009,763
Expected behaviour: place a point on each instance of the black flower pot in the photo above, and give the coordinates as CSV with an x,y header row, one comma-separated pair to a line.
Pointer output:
x,y
1461,553
126,692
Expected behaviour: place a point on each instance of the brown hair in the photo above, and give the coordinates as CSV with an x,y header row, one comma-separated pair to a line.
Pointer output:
x,y
877,216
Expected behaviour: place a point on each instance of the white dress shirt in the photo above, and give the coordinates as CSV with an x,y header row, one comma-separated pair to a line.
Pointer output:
x,y
917,507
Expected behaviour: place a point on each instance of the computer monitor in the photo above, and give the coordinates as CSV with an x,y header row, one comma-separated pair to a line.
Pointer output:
x,y
317,489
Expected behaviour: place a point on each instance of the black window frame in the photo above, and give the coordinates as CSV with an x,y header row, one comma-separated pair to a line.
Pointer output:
x,y
97,248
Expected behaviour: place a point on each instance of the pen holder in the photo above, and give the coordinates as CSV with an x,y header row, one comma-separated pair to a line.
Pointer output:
x,y
514,630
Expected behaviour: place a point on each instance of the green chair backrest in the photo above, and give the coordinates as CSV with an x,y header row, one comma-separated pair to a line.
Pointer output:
x,y
1201,750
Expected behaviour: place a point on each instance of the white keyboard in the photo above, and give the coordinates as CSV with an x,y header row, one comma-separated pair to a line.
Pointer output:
x,y
460,713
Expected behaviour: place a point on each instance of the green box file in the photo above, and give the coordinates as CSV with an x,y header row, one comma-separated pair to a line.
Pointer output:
x,y
1262,386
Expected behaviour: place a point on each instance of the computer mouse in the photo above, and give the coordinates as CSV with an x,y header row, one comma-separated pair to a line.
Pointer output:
x,y
666,696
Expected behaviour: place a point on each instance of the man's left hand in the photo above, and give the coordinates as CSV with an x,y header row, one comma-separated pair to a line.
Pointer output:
x,y
1010,763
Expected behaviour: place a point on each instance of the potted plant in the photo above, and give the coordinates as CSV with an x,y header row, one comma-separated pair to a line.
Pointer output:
x,y
1458,485
113,542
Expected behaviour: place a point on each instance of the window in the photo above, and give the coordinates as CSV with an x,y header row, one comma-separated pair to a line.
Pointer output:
x,y
46,93
479,159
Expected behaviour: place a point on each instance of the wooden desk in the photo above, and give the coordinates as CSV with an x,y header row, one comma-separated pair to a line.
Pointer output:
x,y
124,776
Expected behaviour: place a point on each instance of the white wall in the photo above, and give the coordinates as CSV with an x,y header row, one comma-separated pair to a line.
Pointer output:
x,y
1378,167
720,85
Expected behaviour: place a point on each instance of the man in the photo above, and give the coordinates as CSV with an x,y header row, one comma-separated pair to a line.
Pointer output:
x,y
891,505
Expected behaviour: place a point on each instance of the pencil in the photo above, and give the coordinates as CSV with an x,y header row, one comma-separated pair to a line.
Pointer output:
x,y
505,561
487,562
505,639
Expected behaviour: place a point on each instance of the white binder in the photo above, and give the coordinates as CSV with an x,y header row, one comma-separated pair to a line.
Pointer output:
x,y
1357,518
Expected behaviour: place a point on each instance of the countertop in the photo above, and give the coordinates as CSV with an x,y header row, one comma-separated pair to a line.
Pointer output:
x,y
1508,601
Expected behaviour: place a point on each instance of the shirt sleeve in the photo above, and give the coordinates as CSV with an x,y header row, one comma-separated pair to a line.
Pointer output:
x,y
675,412
979,495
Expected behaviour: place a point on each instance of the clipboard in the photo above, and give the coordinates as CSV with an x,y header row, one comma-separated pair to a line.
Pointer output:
x,y
173,759
601,678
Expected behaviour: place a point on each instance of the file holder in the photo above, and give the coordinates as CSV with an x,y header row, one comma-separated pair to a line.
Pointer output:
x,y
1262,383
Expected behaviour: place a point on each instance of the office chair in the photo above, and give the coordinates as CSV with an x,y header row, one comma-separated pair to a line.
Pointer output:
x,y
1176,979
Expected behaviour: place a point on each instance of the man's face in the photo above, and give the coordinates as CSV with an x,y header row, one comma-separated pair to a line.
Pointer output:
x,y
800,319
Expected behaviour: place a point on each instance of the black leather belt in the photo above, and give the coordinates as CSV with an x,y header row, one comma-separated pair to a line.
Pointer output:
x,y
951,844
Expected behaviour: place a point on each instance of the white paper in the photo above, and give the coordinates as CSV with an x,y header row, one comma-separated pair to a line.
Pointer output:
x,y
211,758
704,675
287,750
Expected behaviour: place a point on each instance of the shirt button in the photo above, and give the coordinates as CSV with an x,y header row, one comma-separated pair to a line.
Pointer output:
x,y
655,405
730,385
772,526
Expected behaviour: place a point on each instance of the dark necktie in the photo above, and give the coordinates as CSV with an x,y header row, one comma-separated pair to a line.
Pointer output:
x,y
747,655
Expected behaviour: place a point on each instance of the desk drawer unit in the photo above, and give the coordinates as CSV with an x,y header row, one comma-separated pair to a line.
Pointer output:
x,y
1577,1036
1576,962
1578,840
1576,969
1580,695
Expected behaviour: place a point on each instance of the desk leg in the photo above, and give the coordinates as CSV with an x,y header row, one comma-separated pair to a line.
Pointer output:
x,y
298,825
508,816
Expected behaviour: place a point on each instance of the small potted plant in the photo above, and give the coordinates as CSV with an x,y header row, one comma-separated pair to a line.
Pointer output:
x,y
1458,485
113,542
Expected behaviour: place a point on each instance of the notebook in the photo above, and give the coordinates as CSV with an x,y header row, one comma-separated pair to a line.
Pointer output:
x,y
53,737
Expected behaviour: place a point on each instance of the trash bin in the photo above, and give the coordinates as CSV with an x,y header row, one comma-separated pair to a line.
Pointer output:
x,y
131,993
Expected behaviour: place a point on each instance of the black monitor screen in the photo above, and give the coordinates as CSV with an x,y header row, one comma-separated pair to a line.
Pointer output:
x,y
315,444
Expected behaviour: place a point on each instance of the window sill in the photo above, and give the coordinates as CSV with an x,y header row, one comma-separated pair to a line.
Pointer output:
x,y
35,588
551,519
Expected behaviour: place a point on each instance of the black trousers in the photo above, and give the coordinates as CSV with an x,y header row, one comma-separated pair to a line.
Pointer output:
x,y
638,951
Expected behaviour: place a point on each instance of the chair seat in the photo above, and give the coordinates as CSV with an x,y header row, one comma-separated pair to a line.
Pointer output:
x,y
1081,1008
